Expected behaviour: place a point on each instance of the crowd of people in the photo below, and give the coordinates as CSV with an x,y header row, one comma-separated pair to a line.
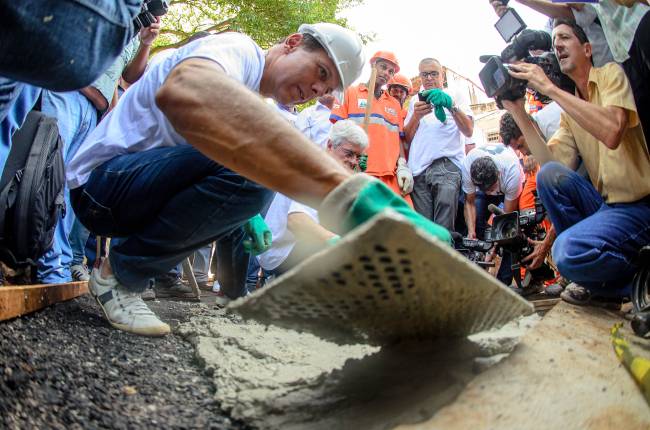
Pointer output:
x,y
179,156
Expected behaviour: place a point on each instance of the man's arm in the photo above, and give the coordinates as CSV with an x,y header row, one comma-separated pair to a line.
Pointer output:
x,y
282,159
549,9
135,69
420,109
534,139
470,215
605,123
510,205
305,229
465,123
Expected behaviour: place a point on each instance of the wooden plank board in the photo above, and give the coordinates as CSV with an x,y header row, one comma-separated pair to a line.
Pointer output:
x,y
23,299
563,375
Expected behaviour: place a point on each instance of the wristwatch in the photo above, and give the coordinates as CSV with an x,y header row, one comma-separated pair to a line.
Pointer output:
x,y
454,109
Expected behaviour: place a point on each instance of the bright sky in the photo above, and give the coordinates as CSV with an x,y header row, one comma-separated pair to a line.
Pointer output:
x,y
456,32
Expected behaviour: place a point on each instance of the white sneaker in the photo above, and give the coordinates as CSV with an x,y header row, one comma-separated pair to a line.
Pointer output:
x,y
123,309
80,272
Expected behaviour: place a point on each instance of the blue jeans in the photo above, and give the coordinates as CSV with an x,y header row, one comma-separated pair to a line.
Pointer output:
x,y
76,117
16,107
597,242
233,260
163,204
63,45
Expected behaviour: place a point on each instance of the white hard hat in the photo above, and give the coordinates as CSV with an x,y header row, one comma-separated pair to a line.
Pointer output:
x,y
343,46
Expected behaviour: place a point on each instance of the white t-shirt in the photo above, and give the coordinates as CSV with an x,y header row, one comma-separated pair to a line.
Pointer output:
x,y
548,119
288,113
314,122
434,139
283,240
511,174
136,124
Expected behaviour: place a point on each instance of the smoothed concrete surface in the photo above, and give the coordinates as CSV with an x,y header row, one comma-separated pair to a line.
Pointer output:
x,y
563,375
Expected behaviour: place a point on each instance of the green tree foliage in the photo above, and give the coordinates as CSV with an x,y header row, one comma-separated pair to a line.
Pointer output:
x,y
266,21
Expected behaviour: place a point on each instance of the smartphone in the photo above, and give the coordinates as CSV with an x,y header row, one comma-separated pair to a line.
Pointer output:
x,y
509,25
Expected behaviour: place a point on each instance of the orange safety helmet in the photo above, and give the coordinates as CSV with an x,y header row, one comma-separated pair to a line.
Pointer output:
x,y
402,81
388,56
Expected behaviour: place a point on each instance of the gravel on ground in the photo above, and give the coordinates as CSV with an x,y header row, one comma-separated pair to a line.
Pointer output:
x,y
66,368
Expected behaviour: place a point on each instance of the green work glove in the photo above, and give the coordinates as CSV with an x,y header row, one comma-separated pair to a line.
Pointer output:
x,y
363,162
438,97
360,198
440,100
333,240
259,235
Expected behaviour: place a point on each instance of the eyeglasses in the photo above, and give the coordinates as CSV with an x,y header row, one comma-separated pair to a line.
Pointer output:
x,y
427,75
348,154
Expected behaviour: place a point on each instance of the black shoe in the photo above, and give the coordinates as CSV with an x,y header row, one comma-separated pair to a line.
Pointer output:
x,y
527,291
177,290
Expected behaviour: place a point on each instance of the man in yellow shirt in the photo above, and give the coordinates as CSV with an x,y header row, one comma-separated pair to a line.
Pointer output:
x,y
602,224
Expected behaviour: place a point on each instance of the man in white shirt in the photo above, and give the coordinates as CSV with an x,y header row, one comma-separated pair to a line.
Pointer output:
x,y
295,228
436,151
176,164
492,174
314,122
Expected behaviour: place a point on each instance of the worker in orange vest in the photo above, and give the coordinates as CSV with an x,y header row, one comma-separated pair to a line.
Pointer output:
x,y
400,87
386,159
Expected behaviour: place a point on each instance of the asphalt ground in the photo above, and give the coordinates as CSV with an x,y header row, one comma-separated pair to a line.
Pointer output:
x,y
65,368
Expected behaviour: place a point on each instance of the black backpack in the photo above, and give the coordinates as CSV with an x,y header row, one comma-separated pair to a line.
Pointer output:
x,y
31,191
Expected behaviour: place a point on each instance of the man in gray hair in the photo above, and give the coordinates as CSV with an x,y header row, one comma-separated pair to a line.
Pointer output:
x,y
294,226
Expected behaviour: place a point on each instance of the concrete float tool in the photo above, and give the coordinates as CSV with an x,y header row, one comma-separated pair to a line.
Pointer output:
x,y
385,281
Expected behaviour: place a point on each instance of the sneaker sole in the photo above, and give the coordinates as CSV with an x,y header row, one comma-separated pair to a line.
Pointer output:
x,y
593,303
151,331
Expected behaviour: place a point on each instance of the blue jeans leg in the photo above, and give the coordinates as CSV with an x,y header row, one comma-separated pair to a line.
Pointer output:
x,y
232,269
76,118
63,45
568,197
78,238
597,242
482,214
252,276
16,100
165,203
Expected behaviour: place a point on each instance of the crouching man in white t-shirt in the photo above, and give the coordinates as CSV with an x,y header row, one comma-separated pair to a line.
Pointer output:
x,y
294,226
190,152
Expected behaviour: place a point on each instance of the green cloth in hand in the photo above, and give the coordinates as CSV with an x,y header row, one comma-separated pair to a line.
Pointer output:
x,y
440,100
375,197
259,236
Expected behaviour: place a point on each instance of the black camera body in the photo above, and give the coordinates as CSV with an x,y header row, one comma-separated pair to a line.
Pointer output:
x,y
474,250
148,13
494,76
511,231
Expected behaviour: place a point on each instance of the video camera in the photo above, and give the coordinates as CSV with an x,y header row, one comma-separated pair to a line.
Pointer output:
x,y
148,13
511,231
474,250
494,76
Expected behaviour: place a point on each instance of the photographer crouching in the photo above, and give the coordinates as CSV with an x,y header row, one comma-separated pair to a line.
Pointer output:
x,y
602,225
